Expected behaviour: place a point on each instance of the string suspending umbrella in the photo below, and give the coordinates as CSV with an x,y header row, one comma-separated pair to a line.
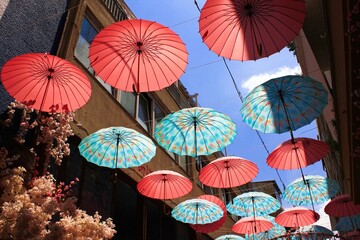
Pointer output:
x,y
195,131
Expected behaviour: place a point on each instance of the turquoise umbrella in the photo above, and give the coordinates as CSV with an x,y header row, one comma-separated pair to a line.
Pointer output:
x,y
117,147
284,104
197,211
230,237
195,131
253,204
274,232
310,190
347,224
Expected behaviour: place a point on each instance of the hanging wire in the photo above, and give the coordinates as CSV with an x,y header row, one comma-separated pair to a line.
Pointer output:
x,y
242,100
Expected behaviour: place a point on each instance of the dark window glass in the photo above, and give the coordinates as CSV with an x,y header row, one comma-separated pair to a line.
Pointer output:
x,y
125,213
97,190
87,35
144,112
153,221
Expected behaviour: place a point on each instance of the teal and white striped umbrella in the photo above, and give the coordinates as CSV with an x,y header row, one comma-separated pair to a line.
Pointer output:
x,y
197,211
195,131
315,190
347,224
117,147
230,237
253,203
274,232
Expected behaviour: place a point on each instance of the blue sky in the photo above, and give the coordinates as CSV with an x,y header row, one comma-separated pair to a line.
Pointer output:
x,y
206,75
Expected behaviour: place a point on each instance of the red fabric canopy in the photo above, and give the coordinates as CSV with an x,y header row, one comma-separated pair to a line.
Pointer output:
x,y
164,184
227,172
297,217
252,225
138,55
46,82
249,30
298,154
342,206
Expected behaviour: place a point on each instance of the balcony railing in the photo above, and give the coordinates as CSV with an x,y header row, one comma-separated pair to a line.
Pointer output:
x,y
115,8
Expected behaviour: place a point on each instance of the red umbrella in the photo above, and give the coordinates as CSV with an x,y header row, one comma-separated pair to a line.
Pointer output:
x,y
227,172
138,55
164,184
298,153
297,217
46,82
250,29
342,206
211,227
252,225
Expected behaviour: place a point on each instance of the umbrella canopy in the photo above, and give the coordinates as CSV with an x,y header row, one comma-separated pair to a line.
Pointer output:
x,y
250,29
211,227
316,189
316,229
347,224
252,225
253,203
273,232
342,206
297,153
164,184
229,237
138,55
46,82
227,172
297,217
284,104
117,147
197,211
195,131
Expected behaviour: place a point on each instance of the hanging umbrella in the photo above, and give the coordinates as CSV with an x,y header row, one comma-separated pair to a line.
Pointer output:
x,y
316,229
297,217
250,29
46,82
117,147
284,104
342,206
228,172
253,204
353,235
164,184
229,237
197,211
251,225
273,232
138,55
299,153
315,190
195,131
347,224
211,227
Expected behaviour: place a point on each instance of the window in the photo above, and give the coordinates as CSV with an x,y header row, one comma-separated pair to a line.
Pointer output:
x,y
185,163
143,116
128,101
87,34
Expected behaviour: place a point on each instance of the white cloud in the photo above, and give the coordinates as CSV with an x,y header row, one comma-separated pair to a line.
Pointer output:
x,y
324,218
258,79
